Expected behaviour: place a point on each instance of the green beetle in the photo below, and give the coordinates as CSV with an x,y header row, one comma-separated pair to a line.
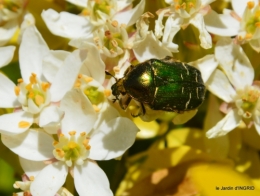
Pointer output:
x,y
164,84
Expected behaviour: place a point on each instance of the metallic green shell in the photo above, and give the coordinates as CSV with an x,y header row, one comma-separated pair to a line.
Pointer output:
x,y
165,85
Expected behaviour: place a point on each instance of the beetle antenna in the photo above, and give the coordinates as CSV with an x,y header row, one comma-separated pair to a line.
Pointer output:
x,y
109,74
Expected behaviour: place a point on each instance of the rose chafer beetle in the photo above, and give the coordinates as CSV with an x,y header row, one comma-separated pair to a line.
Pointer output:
x,y
164,84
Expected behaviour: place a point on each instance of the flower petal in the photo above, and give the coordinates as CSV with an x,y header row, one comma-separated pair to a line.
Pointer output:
x,y
7,31
129,17
31,52
52,63
227,124
206,65
31,168
233,60
7,94
149,48
205,38
33,145
79,112
112,139
221,24
50,115
67,25
239,8
49,180
89,179
66,76
6,55
15,123
220,86
82,3
96,70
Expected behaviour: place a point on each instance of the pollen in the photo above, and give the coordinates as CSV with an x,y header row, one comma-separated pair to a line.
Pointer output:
x,y
97,109
20,80
107,92
191,5
77,84
45,86
17,90
250,4
39,100
257,24
72,133
31,178
60,152
88,79
33,79
28,86
114,23
23,124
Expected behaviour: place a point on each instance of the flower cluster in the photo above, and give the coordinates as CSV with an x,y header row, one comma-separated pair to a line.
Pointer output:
x,y
71,107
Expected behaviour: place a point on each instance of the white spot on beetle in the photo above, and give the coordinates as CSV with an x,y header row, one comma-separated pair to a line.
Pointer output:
x,y
182,90
185,68
197,90
196,77
187,103
181,77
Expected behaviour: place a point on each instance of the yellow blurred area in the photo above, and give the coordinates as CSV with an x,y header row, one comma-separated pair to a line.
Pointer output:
x,y
179,164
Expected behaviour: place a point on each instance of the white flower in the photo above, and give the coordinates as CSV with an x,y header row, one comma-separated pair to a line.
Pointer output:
x,y
11,14
96,13
233,83
243,23
83,137
180,15
146,45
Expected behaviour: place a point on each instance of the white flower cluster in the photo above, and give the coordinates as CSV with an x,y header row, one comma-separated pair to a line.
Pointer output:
x,y
64,95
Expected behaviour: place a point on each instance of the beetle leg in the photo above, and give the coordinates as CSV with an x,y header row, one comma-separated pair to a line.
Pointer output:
x,y
140,113
124,101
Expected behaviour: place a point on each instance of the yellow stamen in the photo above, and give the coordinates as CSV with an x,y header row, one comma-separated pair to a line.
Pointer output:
x,y
33,78
55,143
80,76
114,23
60,152
257,24
85,12
96,108
257,14
31,178
61,135
17,90
82,134
191,5
45,86
28,86
77,84
23,124
20,80
107,92
39,100
31,94
177,7
250,4
183,6
88,79
72,133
